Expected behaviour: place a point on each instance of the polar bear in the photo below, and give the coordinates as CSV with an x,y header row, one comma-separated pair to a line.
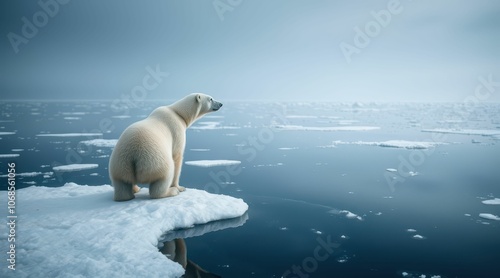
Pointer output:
x,y
151,151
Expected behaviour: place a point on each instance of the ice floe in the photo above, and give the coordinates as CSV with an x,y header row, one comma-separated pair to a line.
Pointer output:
x,y
347,214
411,230
79,231
199,150
391,170
74,167
212,163
417,275
418,237
102,143
482,132
495,201
316,231
402,144
331,128
7,133
31,174
9,155
489,216
68,134
211,125
300,117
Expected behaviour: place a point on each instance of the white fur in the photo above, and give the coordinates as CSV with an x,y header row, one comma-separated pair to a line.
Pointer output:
x,y
151,151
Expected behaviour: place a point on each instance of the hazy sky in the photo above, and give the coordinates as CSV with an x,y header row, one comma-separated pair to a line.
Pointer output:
x,y
420,50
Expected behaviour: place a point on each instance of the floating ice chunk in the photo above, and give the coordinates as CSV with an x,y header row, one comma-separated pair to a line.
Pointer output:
x,y
101,143
212,125
495,201
27,174
418,237
344,237
213,117
283,228
74,113
300,117
482,132
333,128
268,165
411,230
466,214
212,163
404,274
287,149
412,174
199,150
72,118
343,259
17,150
402,144
9,155
489,216
74,167
316,231
69,134
95,236
391,170
7,133
347,213
121,117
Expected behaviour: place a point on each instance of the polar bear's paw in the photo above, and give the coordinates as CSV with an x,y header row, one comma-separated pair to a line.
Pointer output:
x,y
136,189
180,188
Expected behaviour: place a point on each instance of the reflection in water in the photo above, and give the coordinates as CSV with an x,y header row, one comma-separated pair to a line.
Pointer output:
x,y
176,251
173,246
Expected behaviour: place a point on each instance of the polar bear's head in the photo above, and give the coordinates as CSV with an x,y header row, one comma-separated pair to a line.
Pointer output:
x,y
207,104
194,106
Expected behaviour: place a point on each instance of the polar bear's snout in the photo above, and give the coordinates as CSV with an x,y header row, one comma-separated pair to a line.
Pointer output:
x,y
216,105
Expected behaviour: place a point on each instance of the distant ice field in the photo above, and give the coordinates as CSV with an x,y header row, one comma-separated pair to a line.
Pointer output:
x,y
393,186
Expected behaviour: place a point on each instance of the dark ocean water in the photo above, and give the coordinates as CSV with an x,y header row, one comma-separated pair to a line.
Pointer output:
x,y
301,187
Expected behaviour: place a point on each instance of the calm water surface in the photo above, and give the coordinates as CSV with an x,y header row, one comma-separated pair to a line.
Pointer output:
x,y
317,209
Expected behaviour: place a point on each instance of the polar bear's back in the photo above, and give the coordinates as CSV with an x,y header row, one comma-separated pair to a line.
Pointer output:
x,y
143,153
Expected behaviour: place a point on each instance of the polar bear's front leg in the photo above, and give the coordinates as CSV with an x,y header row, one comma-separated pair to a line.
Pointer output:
x,y
177,172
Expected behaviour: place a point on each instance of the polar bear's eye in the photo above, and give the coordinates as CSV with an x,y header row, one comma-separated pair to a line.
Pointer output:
x,y
211,99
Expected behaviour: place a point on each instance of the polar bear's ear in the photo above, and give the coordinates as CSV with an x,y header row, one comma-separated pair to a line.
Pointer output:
x,y
198,97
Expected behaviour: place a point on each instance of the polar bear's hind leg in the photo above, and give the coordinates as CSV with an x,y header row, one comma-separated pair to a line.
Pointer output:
x,y
123,191
161,189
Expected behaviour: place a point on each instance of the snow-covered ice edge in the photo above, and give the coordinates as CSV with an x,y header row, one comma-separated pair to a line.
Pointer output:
x,y
77,230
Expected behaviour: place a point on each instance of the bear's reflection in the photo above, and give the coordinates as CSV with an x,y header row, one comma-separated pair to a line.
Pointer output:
x,y
176,251
173,246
